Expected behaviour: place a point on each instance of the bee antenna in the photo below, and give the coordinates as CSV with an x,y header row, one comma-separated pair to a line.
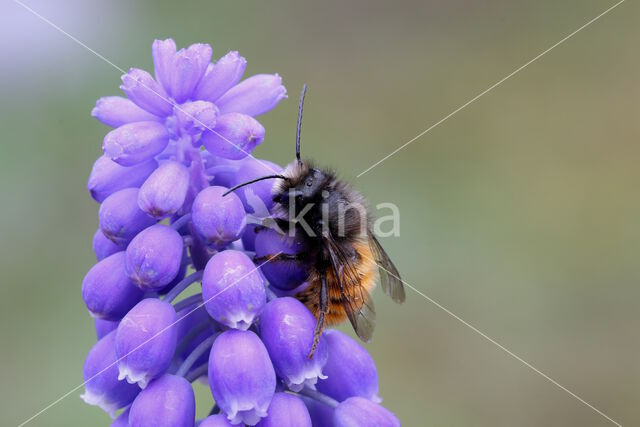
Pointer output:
x,y
304,91
234,188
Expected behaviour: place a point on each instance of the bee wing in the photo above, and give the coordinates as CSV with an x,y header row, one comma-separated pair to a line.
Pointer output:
x,y
356,299
389,275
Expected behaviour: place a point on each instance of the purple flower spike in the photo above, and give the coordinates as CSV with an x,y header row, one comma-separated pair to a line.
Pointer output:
x,y
107,291
103,327
145,341
215,421
164,192
285,274
100,373
350,369
135,143
361,412
107,177
122,420
257,198
233,289
104,247
154,257
168,401
254,96
286,328
219,220
221,76
116,111
145,92
234,137
121,218
196,117
241,376
189,65
286,410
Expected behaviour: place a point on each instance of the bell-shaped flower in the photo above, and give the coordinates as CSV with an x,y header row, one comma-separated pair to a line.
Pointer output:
x,y
257,198
254,96
196,117
241,377
100,373
217,420
107,291
287,328
165,190
286,410
218,220
233,289
361,412
168,401
283,274
121,218
221,76
103,247
234,137
146,93
154,256
135,143
107,177
146,341
350,369
116,111
321,414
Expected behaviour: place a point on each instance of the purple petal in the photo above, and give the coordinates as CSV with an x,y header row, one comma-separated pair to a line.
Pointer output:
x,y
146,93
168,401
285,274
234,137
103,327
103,247
254,96
218,220
189,65
107,176
218,420
257,198
164,192
163,52
121,218
221,76
122,420
286,410
196,117
135,143
361,412
116,111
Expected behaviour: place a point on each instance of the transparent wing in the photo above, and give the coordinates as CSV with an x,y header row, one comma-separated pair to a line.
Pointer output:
x,y
389,275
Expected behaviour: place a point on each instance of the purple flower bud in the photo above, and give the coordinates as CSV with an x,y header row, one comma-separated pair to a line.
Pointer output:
x,y
286,328
154,257
121,218
181,273
187,68
221,76
104,247
321,414
284,274
196,117
361,412
233,289
168,401
257,198
254,96
218,420
286,410
107,177
145,92
241,376
219,220
164,192
116,111
135,143
350,369
107,291
249,238
100,373
234,137
146,340
122,420
163,52
103,327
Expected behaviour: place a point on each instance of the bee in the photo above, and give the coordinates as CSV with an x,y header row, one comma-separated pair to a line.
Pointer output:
x,y
345,258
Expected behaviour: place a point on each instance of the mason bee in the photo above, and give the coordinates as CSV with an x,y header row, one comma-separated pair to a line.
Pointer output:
x,y
344,253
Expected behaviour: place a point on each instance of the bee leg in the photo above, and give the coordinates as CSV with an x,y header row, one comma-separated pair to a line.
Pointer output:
x,y
323,308
279,257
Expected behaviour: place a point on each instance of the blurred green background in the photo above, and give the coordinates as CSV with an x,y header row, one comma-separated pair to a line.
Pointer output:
x,y
519,214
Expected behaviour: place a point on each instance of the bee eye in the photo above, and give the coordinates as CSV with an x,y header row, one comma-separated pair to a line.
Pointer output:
x,y
309,183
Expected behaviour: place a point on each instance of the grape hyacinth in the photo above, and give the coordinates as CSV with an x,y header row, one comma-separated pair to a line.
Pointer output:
x,y
177,293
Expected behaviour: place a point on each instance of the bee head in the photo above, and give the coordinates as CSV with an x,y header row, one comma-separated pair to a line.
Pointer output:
x,y
303,184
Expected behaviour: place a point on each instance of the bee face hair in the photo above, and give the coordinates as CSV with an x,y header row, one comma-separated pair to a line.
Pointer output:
x,y
303,182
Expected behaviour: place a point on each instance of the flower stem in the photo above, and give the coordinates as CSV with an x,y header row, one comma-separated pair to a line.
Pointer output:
x,y
193,357
197,372
316,395
193,299
182,285
181,222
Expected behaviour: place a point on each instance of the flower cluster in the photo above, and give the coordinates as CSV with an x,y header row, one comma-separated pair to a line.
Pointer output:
x,y
181,138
